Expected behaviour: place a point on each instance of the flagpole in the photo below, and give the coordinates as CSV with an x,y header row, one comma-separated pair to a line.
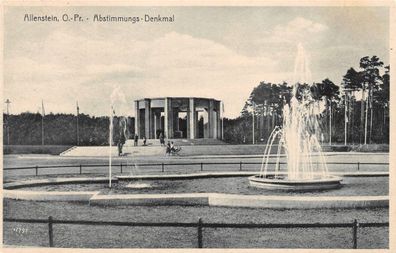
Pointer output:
x,y
253,121
78,137
42,122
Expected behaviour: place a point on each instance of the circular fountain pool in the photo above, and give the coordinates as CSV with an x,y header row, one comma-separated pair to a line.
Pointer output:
x,y
283,183
225,190
352,186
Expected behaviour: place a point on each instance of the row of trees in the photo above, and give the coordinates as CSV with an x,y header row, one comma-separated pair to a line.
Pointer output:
x,y
359,107
356,109
60,129
373,106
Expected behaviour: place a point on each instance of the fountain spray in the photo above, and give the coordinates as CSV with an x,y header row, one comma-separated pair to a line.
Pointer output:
x,y
115,95
299,137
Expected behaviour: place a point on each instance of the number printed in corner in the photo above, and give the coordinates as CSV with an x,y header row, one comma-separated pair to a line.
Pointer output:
x,y
20,230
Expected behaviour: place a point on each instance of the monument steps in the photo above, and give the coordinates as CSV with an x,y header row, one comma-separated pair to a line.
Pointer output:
x,y
102,151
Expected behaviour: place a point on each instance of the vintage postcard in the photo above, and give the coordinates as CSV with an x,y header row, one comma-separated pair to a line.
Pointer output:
x,y
257,125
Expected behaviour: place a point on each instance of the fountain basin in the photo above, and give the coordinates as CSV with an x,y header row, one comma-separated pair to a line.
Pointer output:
x,y
282,183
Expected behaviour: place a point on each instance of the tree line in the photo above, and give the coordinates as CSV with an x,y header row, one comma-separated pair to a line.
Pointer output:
x,y
60,129
358,106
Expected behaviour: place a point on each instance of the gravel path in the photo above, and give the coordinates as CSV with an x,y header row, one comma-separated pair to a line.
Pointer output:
x,y
11,161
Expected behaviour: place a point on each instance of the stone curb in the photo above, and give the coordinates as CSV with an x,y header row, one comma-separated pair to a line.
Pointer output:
x,y
38,182
188,176
183,199
48,196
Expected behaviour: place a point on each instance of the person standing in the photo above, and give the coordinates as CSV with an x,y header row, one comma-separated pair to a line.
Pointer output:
x,y
168,149
162,140
172,147
121,143
136,140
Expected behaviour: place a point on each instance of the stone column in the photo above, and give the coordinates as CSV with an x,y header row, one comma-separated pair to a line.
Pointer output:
x,y
137,118
192,120
210,119
147,118
218,119
168,118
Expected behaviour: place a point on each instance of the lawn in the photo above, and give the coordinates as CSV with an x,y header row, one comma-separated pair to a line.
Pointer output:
x,y
154,237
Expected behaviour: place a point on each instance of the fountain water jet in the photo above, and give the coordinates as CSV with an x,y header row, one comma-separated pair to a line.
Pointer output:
x,y
298,137
123,133
115,95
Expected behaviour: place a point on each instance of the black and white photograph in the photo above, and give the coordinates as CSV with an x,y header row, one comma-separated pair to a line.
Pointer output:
x,y
197,125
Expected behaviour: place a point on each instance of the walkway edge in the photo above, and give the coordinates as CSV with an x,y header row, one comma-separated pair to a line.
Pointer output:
x,y
55,181
204,199
48,196
236,200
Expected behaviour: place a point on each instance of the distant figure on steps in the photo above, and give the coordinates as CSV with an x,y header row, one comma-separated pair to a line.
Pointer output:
x,y
162,140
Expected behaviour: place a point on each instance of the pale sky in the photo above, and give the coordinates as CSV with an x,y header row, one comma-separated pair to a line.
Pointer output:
x,y
216,52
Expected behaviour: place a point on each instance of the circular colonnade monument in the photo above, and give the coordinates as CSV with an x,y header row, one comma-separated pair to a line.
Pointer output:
x,y
178,117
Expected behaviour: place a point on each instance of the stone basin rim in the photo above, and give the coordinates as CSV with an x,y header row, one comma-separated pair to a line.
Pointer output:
x,y
330,179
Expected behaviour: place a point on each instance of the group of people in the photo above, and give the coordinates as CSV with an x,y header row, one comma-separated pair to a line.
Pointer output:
x,y
170,146
136,140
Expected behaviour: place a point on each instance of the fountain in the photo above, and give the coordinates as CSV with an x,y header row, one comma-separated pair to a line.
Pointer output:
x,y
298,138
121,136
